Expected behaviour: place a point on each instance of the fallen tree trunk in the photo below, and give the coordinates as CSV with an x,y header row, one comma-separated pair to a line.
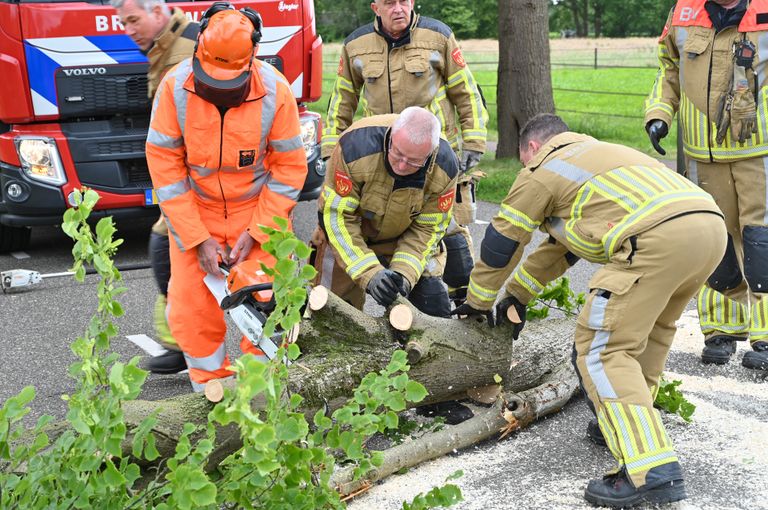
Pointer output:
x,y
340,345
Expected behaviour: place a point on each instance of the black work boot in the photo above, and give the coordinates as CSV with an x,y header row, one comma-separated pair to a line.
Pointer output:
x,y
453,412
719,348
756,359
594,433
617,491
170,362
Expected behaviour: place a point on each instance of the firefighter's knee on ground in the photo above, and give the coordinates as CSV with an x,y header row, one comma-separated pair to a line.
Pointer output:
x,y
431,297
756,257
459,261
727,275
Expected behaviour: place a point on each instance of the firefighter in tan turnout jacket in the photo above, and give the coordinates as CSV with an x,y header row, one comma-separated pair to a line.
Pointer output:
x,y
400,60
713,62
386,203
657,235
166,36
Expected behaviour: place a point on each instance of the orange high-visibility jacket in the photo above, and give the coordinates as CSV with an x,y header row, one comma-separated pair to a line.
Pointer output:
x,y
251,157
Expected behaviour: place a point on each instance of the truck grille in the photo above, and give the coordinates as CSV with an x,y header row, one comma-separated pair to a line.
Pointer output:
x,y
102,90
109,154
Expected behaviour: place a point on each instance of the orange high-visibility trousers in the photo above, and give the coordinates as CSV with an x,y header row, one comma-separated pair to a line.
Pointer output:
x,y
195,318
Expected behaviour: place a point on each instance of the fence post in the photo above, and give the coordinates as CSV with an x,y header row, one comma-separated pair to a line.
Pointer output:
x,y
595,58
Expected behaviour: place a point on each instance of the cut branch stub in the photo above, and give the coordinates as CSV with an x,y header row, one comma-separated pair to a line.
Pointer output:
x,y
401,317
513,316
214,390
318,297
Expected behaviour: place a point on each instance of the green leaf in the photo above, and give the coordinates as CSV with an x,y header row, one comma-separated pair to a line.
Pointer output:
x,y
265,436
293,351
497,378
282,223
112,476
455,475
303,252
286,248
290,430
415,392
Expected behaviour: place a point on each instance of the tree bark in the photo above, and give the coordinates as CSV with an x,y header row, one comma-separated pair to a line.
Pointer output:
x,y
341,344
524,75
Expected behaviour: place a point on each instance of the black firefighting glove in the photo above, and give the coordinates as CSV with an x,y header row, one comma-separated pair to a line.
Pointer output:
x,y
469,159
474,313
501,314
386,285
657,129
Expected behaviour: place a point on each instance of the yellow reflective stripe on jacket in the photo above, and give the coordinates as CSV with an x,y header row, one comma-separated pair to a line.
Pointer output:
x,y
480,292
640,191
439,222
355,259
330,133
518,218
655,100
479,114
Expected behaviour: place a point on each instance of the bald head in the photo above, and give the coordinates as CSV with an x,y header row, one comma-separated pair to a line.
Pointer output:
x,y
419,126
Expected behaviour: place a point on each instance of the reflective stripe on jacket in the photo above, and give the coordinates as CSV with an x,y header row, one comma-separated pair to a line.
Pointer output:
x,y
424,68
590,196
250,157
175,43
695,73
364,203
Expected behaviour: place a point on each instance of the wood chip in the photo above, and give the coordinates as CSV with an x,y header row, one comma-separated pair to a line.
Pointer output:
x,y
214,390
318,298
401,317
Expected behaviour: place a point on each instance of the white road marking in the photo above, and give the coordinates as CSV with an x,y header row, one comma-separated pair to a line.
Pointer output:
x,y
147,345
20,255
482,222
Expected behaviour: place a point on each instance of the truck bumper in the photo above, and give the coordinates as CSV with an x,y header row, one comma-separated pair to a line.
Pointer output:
x,y
313,184
43,204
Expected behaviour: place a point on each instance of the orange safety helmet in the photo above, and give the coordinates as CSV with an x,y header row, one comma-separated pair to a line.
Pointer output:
x,y
224,54
247,274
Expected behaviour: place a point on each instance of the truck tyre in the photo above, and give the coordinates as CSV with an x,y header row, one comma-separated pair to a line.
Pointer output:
x,y
14,238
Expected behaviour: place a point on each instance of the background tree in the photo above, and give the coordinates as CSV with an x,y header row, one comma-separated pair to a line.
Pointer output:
x,y
524,76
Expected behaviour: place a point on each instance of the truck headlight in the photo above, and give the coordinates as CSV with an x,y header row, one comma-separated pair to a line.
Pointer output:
x,y
40,159
309,135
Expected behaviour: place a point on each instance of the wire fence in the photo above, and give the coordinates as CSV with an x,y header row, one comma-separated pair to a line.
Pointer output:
x,y
618,58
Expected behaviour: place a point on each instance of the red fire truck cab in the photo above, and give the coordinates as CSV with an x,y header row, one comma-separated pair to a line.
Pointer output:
x,y
74,109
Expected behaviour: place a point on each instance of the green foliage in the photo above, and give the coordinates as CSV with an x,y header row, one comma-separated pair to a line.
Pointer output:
x,y
85,466
672,400
558,296
285,462
610,19
439,497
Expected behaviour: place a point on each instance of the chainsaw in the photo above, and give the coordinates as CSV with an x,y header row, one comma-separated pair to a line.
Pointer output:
x,y
245,294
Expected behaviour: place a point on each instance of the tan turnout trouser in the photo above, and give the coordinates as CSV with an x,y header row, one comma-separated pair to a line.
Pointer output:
x,y
625,330
731,303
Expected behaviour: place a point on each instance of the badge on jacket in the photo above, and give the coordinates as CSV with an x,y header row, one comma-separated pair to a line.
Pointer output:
x,y
247,158
458,57
340,70
445,201
343,184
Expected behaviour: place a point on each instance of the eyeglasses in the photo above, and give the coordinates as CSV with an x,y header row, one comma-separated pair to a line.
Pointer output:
x,y
397,156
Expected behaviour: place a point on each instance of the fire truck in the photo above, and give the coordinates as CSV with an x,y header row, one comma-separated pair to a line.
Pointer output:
x,y
74,110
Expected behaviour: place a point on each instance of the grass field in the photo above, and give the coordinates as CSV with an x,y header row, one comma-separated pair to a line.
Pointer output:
x,y
607,103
